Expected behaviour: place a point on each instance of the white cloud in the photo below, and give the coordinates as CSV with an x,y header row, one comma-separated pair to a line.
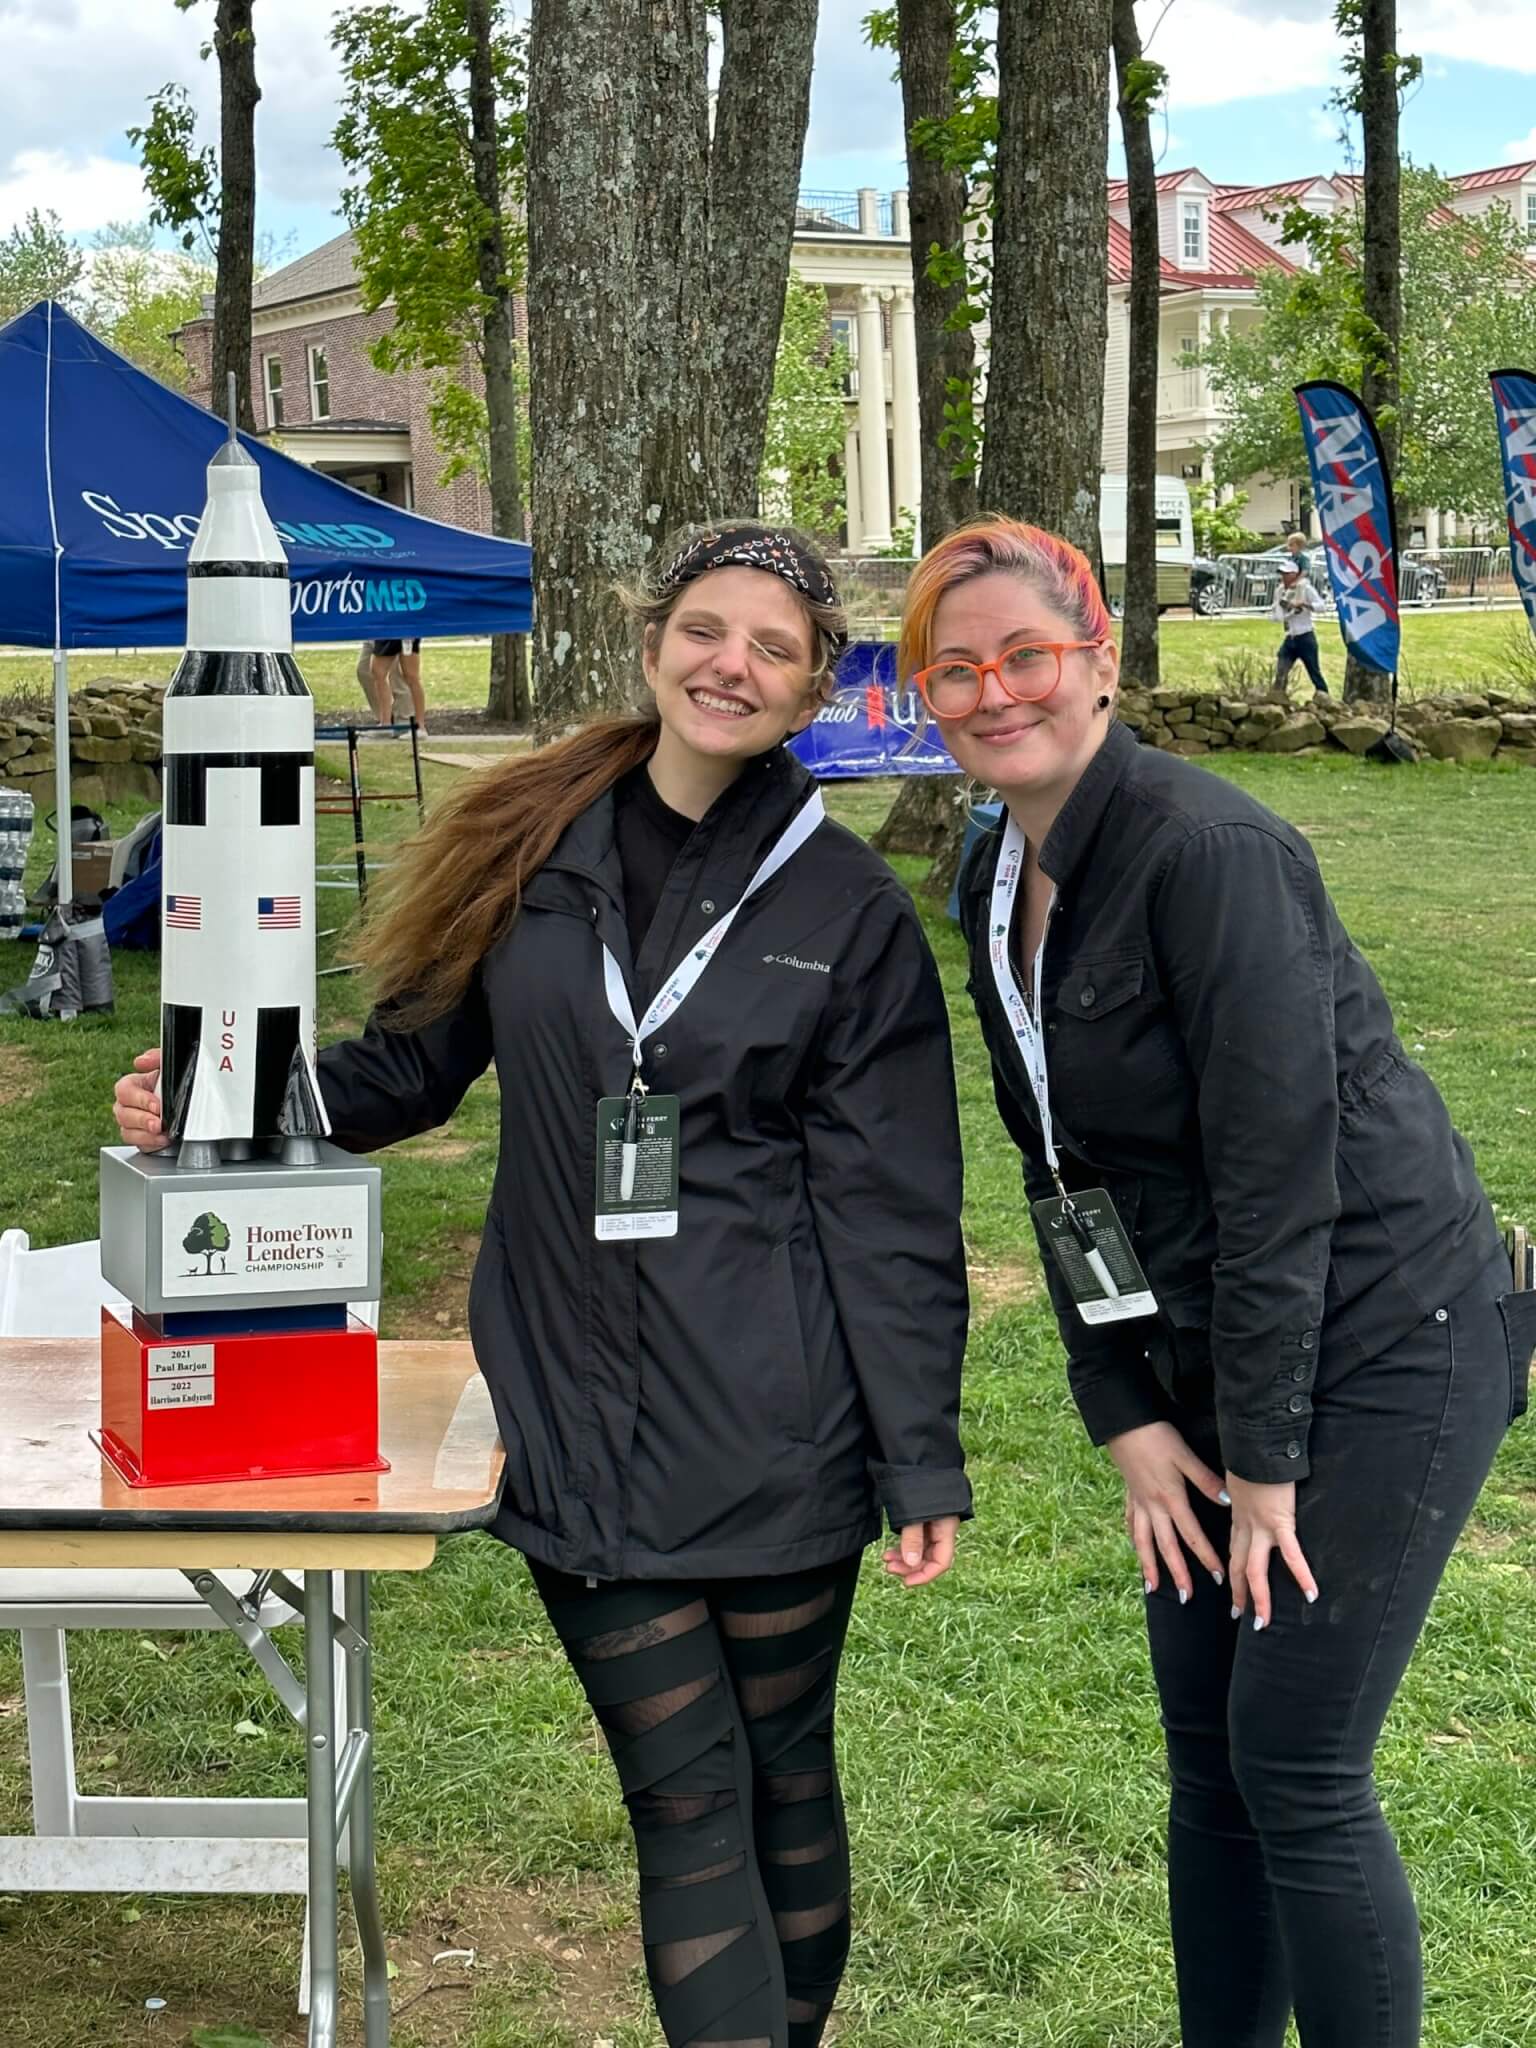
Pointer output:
x,y
1523,151
1217,51
85,192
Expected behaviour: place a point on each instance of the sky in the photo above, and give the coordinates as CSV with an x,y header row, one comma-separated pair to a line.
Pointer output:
x,y
1249,82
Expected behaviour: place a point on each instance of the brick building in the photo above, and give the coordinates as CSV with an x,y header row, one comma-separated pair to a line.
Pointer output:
x,y
320,398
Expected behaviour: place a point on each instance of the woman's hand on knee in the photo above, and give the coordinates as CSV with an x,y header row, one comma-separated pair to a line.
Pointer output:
x,y
923,1551
1159,1468
1264,1523
136,1104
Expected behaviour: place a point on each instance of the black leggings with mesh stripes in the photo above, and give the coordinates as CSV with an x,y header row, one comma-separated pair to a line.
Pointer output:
x,y
717,1699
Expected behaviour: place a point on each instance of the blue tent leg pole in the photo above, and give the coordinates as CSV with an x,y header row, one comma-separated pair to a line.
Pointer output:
x,y
62,806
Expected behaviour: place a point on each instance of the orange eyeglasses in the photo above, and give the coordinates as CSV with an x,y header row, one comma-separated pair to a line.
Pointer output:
x,y
1026,673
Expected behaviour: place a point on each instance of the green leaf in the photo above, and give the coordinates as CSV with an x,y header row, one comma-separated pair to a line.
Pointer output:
x,y
249,1728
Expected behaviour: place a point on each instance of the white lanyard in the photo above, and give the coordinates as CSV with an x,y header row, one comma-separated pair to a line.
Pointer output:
x,y
682,982
1028,1028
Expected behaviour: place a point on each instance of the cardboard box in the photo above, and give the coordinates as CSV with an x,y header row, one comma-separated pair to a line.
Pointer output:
x,y
93,868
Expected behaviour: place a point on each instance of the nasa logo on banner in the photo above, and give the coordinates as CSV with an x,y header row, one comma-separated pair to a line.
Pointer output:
x,y
870,727
1514,404
1353,495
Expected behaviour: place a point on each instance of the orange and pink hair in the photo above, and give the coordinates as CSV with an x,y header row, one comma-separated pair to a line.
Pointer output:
x,y
1058,571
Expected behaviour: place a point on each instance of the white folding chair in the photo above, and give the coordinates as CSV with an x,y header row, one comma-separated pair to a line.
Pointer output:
x,y
88,1843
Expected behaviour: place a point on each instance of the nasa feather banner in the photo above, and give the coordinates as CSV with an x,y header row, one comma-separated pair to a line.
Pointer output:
x,y
1353,495
1514,403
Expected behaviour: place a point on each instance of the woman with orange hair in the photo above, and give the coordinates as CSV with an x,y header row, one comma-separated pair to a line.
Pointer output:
x,y
1283,1299
720,1301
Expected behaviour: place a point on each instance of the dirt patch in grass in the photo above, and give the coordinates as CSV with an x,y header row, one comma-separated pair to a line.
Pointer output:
x,y
443,1310
1002,1283
16,1074
566,1954
438,1148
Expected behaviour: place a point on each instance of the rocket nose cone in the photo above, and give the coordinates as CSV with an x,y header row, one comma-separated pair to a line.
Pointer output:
x,y
232,456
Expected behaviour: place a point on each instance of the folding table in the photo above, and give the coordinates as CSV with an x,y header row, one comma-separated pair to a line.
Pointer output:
x,y
62,1506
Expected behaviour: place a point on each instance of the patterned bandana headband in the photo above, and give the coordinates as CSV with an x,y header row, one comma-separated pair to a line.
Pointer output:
x,y
751,547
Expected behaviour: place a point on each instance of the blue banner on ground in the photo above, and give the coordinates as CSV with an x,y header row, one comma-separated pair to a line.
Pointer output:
x,y
869,726
1353,495
105,475
1514,401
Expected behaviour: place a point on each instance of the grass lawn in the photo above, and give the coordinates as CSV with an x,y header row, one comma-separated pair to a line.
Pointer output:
x,y
1448,650
1000,1737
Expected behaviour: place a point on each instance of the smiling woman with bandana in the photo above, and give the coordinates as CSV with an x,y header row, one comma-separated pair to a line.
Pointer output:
x,y
720,1301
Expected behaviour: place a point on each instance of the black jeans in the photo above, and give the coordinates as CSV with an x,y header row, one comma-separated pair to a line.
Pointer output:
x,y
1285,1886
717,1699
1300,647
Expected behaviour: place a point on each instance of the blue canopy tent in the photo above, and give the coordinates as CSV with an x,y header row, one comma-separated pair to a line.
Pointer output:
x,y
104,481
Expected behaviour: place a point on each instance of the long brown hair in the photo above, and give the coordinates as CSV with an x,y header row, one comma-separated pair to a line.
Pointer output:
x,y
456,885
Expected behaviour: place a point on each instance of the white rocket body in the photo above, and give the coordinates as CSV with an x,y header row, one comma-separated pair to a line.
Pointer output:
x,y
237,975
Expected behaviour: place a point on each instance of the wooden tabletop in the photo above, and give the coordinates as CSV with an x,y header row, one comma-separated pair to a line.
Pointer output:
x,y
436,1429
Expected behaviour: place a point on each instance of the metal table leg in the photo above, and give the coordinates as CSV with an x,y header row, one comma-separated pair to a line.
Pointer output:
x,y
364,1875
320,1757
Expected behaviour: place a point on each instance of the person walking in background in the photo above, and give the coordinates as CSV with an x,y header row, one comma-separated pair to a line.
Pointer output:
x,y
707,1402
1296,606
408,654
1300,1346
399,695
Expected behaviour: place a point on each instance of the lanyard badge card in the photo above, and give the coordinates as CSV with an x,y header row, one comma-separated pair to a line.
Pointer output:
x,y
637,1137
1082,1231
638,1133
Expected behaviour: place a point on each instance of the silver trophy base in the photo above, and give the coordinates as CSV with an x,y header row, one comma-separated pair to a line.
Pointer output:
x,y
250,1235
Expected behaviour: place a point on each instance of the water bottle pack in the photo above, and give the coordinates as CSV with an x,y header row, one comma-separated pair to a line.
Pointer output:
x,y
15,843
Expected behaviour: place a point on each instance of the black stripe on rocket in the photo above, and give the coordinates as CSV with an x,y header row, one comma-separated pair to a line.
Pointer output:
x,y
223,672
186,785
272,569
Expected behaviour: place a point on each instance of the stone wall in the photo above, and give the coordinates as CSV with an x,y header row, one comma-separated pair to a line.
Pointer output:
x,y
1490,725
114,746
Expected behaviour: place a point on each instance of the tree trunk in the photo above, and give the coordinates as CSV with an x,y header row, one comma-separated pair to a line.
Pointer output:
x,y
234,42
1138,643
1045,383
583,201
508,698
754,179
678,346
922,818
1381,254
937,202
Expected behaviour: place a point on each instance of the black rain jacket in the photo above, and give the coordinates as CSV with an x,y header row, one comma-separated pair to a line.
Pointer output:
x,y
744,1397
1223,1061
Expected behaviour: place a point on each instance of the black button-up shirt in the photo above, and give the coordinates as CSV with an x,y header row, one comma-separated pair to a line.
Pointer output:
x,y
1224,1062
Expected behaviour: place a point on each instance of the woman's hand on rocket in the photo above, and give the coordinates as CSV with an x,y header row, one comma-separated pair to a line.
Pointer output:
x,y
136,1105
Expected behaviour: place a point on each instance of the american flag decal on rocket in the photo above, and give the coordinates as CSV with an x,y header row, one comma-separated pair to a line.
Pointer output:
x,y
277,913
184,913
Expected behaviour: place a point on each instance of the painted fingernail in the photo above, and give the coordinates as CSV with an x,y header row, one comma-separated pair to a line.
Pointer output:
x,y
1219,1577
1258,1623
1225,1498
1237,1614
1312,1597
1147,1583
1183,1596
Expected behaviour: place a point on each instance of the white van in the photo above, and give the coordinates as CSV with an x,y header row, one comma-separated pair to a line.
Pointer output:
x,y
1175,541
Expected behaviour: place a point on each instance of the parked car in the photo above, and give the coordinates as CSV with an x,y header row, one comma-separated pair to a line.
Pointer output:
x,y
1207,588
1249,581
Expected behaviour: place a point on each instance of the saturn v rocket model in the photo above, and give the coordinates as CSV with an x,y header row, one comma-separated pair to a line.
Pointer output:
x,y
242,1244
237,978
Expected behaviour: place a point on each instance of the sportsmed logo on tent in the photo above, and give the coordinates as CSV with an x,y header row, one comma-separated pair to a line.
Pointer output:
x,y
179,531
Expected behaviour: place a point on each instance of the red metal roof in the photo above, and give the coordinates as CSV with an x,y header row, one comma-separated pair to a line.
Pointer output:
x,y
1501,174
1236,258
1168,181
1234,198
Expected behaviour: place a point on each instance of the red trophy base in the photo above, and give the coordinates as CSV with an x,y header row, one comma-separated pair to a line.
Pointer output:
x,y
267,1405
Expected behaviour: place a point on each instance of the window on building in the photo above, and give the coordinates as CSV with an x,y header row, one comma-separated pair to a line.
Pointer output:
x,y
1530,216
272,375
1194,231
319,385
845,329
